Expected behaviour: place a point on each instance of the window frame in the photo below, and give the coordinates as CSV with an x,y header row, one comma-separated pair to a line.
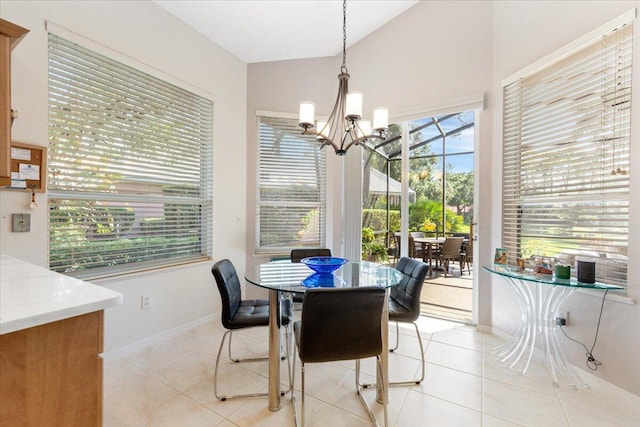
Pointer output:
x,y
191,207
611,194
308,144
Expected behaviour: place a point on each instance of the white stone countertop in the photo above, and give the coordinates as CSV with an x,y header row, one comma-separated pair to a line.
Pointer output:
x,y
31,295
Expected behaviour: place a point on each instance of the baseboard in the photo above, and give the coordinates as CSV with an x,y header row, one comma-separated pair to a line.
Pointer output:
x,y
154,339
595,381
484,329
493,331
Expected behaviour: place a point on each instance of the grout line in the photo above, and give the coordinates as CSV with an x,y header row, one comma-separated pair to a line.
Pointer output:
x,y
427,341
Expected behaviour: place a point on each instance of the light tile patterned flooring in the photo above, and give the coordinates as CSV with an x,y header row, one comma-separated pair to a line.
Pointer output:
x,y
171,384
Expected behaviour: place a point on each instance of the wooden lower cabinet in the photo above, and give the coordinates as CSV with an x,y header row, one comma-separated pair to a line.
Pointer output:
x,y
51,375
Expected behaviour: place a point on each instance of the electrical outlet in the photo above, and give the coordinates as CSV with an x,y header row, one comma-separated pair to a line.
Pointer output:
x,y
146,302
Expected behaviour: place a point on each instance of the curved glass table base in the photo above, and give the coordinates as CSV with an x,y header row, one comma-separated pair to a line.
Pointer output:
x,y
540,298
539,308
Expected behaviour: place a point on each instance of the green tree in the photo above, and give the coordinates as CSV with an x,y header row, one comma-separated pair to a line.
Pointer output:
x,y
460,191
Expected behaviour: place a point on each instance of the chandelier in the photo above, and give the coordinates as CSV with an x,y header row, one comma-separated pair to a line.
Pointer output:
x,y
344,127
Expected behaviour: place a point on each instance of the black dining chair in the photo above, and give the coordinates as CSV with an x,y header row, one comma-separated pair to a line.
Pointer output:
x,y
339,324
404,303
298,254
240,314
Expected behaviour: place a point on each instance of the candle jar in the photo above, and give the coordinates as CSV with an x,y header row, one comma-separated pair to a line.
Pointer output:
x,y
563,271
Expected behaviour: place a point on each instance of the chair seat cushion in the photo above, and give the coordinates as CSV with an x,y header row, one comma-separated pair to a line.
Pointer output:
x,y
399,313
256,313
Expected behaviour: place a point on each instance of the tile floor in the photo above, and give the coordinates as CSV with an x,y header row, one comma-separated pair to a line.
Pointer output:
x,y
171,384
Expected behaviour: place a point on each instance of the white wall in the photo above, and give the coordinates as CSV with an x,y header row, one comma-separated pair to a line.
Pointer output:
x,y
143,31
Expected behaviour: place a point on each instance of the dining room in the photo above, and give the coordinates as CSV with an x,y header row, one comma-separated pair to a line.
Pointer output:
x,y
150,223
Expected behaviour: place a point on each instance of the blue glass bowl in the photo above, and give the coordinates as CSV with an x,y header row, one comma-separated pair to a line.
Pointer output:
x,y
323,264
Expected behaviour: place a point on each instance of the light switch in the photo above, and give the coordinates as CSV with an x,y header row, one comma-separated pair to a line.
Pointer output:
x,y
21,222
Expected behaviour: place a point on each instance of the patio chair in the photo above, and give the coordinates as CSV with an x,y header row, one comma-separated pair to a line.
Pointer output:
x,y
450,250
415,249
392,247
466,256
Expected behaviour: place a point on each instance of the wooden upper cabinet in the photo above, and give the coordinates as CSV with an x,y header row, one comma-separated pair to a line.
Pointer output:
x,y
10,35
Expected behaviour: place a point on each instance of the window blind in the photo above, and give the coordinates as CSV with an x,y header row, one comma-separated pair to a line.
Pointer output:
x,y
291,197
566,158
130,166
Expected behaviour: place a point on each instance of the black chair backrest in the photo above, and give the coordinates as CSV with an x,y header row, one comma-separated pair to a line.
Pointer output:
x,y
298,254
341,324
229,286
407,292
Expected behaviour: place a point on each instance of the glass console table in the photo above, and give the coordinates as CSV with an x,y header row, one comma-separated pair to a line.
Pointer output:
x,y
540,297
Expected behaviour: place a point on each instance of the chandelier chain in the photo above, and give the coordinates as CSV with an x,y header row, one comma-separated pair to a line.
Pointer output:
x,y
344,36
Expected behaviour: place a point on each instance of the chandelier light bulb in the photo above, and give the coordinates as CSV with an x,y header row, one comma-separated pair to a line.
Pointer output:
x,y
307,114
353,110
380,119
323,130
365,127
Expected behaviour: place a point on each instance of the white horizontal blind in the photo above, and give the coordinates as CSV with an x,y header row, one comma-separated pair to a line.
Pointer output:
x,y
566,158
130,167
291,197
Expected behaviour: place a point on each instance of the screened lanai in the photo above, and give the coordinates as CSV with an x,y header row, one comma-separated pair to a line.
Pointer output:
x,y
440,201
440,176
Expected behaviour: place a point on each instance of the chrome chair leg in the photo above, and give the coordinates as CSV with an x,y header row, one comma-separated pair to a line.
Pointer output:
x,y
360,387
215,375
288,334
415,381
250,359
397,339
288,337
395,383
293,394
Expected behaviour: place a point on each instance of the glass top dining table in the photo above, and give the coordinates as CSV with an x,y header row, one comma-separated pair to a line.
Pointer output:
x,y
285,276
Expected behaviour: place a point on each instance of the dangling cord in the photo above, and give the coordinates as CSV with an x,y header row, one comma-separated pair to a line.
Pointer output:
x,y
592,363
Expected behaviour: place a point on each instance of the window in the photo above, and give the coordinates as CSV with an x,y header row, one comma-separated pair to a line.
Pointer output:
x,y
292,190
566,157
130,167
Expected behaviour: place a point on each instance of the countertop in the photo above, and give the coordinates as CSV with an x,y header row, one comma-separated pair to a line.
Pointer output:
x,y
31,295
